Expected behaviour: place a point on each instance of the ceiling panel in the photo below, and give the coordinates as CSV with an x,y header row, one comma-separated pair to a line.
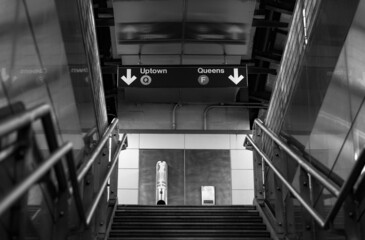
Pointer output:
x,y
194,30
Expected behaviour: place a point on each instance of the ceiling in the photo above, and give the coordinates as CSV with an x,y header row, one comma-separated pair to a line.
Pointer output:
x,y
193,32
172,32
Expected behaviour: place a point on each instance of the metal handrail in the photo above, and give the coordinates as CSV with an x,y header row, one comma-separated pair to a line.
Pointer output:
x,y
86,166
43,111
22,187
342,193
311,210
300,160
96,201
22,119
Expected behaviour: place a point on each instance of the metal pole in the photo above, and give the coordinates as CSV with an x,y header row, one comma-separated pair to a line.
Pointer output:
x,y
174,115
21,119
75,186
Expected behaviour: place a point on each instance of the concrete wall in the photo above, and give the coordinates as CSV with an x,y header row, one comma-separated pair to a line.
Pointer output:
x,y
241,173
159,116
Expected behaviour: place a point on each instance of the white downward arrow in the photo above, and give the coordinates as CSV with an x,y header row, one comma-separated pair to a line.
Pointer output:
x,y
236,79
129,79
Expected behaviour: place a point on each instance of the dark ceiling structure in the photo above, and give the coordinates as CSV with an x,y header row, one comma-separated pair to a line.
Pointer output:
x,y
193,32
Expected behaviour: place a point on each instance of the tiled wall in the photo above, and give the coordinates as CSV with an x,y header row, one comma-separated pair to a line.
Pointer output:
x,y
241,161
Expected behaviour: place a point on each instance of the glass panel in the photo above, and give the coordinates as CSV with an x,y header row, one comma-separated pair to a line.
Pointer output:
x,y
79,72
359,132
326,114
329,95
35,68
41,65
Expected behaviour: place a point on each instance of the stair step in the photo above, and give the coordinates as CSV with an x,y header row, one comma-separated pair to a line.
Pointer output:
x,y
188,233
252,219
188,222
185,210
189,238
186,207
187,225
185,213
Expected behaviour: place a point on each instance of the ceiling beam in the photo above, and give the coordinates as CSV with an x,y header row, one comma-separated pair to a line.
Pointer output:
x,y
281,7
267,56
106,11
261,95
260,13
261,70
259,23
104,22
281,31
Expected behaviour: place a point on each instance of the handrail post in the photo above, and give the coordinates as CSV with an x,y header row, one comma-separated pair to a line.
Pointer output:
x,y
49,131
101,168
257,168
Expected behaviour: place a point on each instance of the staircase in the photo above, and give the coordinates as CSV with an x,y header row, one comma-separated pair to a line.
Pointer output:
x,y
188,222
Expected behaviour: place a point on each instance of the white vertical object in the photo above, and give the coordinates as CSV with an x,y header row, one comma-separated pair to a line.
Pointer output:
x,y
161,183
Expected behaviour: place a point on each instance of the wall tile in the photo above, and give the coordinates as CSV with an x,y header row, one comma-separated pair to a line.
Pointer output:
x,y
129,158
242,179
242,197
236,141
241,159
133,141
127,196
161,141
207,141
128,178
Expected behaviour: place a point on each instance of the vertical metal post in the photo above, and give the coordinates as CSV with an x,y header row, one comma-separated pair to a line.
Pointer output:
x,y
88,197
22,159
308,227
288,210
62,212
278,192
113,184
353,227
51,137
257,168
100,171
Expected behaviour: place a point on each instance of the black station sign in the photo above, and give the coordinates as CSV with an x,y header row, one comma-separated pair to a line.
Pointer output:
x,y
182,77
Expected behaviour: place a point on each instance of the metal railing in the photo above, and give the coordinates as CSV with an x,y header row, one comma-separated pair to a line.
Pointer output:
x,y
24,119
89,214
43,112
340,193
22,187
